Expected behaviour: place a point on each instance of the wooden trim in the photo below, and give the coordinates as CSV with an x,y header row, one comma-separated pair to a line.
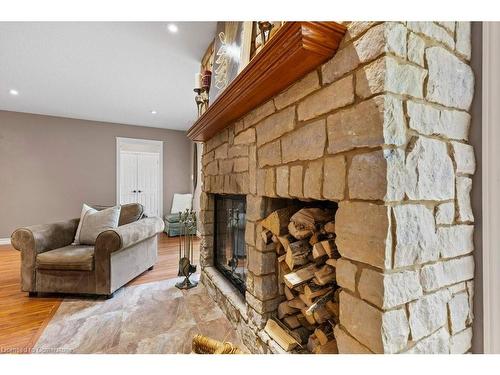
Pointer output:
x,y
296,49
491,186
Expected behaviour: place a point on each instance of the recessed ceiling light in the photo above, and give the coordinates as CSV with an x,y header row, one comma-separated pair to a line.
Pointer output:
x,y
153,112
172,28
13,92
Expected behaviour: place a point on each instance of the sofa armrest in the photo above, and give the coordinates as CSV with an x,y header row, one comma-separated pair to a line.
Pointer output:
x,y
36,239
127,235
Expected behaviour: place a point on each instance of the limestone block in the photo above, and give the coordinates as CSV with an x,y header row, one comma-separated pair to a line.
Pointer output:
x,y
428,120
265,286
245,137
355,28
435,276
389,290
464,158
269,183
428,314
470,293
334,172
416,48
261,263
348,344
212,168
255,208
275,126
370,79
207,158
296,181
240,165
367,176
381,332
282,177
360,126
404,78
416,240
455,240
221,151
236,151
395,34
459,312
305,143
250,233
464,186
262,307
433,31
430,171
216,140
298,90
226,166
368,47
313,179
269,154
461,342
363,233
252,169
337,95
448,25
445,213
345,274
259,113
437,343
397,180
451,82
463,35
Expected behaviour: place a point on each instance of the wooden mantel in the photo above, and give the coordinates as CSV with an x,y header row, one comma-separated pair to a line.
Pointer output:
x,y
296,49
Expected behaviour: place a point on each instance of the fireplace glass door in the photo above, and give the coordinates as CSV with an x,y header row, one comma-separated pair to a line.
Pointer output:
x,y
230,250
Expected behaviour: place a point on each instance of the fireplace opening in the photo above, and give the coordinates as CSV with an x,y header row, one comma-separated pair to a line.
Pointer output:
x,y
230,256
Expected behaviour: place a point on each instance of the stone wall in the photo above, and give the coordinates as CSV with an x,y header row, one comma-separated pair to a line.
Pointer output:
x,y
382,129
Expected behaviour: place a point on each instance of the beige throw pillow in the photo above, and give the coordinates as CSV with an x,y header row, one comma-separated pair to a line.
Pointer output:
x,y
93,222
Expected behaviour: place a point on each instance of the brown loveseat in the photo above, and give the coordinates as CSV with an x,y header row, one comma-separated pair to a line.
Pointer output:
x,y
49,263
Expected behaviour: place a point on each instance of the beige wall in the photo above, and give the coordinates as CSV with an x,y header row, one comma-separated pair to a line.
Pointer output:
x,y
50,165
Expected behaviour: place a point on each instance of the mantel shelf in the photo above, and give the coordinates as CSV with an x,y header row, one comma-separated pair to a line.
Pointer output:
x,y
296,49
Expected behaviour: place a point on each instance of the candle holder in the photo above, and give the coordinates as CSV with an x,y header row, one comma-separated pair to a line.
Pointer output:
x,y
201,99
265,30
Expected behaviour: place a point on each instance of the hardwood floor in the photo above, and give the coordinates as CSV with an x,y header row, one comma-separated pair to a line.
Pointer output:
x,y
22,319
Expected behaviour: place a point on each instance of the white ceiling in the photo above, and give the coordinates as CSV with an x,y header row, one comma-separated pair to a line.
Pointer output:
x,y
103,71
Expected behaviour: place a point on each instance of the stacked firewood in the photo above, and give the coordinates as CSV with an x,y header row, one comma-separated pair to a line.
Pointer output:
x,y
305,244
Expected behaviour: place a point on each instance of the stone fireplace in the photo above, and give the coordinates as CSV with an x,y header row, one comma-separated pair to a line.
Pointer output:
x,y
381,132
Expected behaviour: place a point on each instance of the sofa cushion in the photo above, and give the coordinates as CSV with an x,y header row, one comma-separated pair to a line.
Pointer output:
x,y
130,213
72,257
93,222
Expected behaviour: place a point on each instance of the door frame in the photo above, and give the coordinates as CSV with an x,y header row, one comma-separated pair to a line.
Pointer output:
x,y
491,186
156,146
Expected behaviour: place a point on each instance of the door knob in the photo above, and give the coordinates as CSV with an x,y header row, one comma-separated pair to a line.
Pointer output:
x,y
134,191
139,191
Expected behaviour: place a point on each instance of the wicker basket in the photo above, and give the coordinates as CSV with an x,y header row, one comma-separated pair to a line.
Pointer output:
x,y
206,345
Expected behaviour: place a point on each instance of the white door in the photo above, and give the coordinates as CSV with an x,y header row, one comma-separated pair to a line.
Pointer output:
x,y
139,180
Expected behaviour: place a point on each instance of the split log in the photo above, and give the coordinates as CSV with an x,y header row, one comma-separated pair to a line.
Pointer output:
x,y
320,302
296,254
325,274
313,291
274,238
266,236
307,301
278,334
324,333
305,323
318,250
298,233
277,221
332,262
312,343
332,308
284,309
301,334
321,315
286,240
292,322
326,247
309,317
296,303
329,227
299,276
299,288
288,293
311,218
315,238
329,348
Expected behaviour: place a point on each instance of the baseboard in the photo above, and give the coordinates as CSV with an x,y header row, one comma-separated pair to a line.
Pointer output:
x,y
4,241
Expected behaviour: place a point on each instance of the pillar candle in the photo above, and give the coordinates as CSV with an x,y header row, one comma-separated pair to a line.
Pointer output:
x,y
197,81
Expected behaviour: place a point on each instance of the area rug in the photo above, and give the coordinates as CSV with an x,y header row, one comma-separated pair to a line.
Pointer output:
x,y
149,318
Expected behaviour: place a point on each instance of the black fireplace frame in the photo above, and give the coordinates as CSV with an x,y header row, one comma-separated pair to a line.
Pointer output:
x,y
237,282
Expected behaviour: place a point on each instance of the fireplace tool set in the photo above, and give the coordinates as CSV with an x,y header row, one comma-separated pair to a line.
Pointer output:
x,y
187,222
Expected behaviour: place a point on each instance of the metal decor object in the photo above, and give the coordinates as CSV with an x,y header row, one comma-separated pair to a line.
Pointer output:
x,y
187,222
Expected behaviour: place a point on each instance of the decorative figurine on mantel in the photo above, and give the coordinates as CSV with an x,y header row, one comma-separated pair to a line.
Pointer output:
x,y
186,249
265,30
202,89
